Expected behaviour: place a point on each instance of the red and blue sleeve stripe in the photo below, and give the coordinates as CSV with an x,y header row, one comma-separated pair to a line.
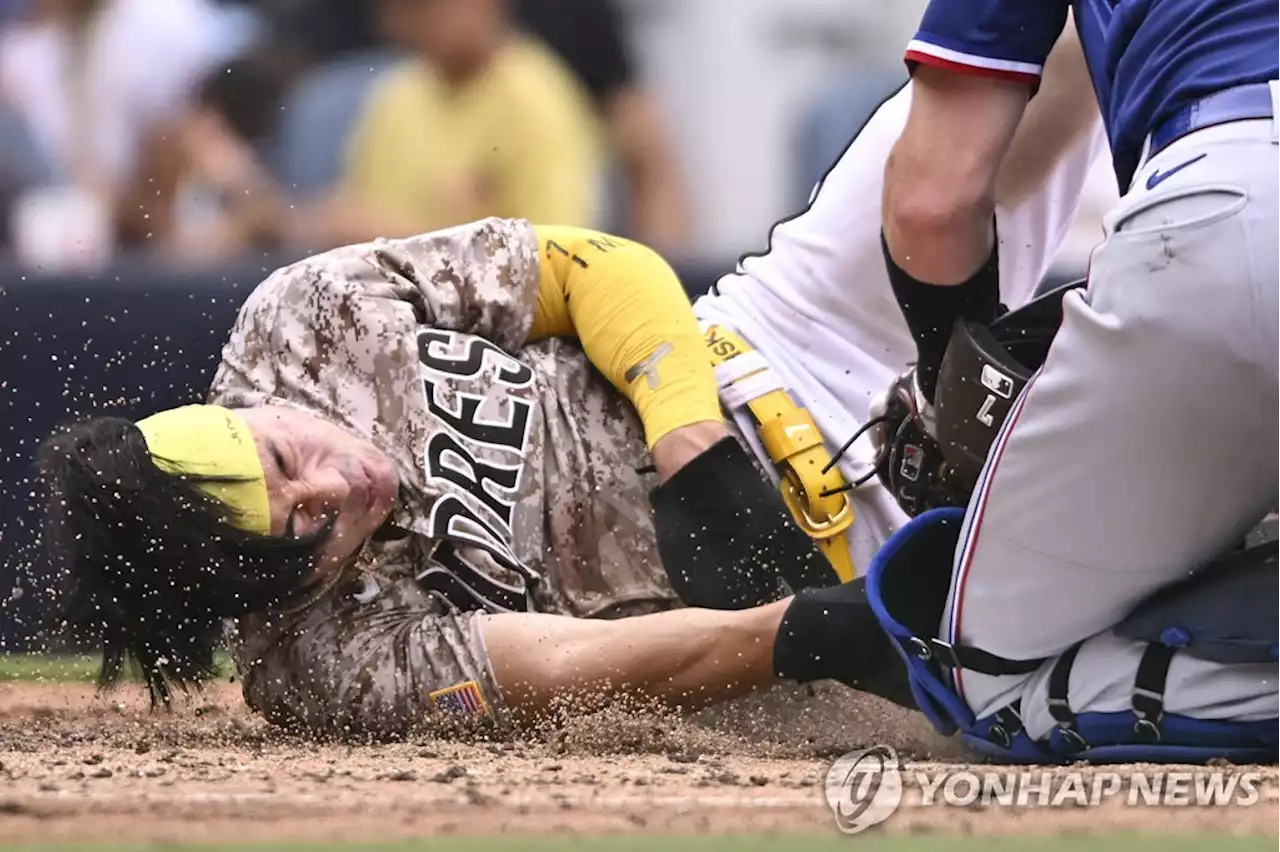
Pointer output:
x,y
1000,39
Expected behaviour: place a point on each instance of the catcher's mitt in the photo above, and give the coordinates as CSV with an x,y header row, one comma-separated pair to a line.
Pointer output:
x,y
931,456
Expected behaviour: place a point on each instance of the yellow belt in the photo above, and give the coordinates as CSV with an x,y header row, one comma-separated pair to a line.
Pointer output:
x,y
811,485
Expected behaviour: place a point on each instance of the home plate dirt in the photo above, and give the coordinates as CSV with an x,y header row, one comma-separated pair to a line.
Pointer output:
x,y
75,766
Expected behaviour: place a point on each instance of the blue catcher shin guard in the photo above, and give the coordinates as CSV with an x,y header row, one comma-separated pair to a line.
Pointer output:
x,y
907,587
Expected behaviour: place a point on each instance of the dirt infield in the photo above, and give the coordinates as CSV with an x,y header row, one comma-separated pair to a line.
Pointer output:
x,y
78,767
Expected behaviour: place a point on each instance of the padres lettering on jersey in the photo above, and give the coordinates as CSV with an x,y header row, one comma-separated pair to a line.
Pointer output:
x,y
477,463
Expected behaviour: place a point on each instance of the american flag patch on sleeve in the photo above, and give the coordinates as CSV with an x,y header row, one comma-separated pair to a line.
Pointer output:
x,y
462,699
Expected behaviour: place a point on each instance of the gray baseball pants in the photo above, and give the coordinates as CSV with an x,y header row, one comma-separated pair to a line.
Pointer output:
x,y
1144,448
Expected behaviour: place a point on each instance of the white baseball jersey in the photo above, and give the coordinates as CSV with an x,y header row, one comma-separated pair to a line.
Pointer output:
x,y
818,306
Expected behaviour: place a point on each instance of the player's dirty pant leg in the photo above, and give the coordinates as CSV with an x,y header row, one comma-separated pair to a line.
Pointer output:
x,y
1146,447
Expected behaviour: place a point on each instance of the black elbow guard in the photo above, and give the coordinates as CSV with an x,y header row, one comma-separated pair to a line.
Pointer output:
x,y
725,538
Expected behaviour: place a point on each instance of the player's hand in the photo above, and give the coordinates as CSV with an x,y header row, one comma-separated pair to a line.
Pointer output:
x,y
900,402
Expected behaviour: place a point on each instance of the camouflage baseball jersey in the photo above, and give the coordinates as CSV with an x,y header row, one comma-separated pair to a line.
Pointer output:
x,y
523,473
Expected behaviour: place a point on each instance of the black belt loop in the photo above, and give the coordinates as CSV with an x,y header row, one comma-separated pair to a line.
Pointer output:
x,y
1059,698
1148,691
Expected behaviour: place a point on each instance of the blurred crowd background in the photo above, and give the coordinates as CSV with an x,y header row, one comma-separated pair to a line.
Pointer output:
x,y
194,131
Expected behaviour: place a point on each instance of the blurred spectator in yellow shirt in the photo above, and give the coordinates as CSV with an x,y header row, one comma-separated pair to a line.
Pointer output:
x,y
483,118
478,121
482,122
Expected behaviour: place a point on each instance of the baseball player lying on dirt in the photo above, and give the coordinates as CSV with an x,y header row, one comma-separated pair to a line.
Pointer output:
x,y
488,468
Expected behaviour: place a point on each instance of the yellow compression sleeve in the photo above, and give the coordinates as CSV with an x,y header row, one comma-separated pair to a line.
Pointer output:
x,y
631,314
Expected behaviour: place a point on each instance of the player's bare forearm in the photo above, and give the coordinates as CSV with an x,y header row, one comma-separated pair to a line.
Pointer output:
x,y
1064,109
686,658
940,178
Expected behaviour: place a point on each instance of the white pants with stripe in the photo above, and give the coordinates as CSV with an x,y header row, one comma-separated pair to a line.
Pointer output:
x,y
1145,447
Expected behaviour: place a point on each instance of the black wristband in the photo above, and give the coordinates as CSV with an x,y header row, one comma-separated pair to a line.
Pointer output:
x,y
725,537
931,310
832,634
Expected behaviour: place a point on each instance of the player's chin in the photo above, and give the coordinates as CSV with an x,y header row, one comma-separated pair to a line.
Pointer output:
x,y
344,543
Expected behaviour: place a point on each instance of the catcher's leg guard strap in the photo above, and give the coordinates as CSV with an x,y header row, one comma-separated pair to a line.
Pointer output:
x,y
726,539
832,634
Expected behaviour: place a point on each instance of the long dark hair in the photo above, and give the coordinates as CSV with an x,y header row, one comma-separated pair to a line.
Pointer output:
x,y
150,565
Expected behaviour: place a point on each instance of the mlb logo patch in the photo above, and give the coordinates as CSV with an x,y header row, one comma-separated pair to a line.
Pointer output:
x,y
912,462
997,382
463,699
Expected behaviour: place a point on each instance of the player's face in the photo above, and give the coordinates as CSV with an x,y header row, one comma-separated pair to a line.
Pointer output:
x,y
318,473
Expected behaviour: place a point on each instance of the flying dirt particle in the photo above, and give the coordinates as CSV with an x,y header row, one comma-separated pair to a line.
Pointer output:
x,y
401,775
